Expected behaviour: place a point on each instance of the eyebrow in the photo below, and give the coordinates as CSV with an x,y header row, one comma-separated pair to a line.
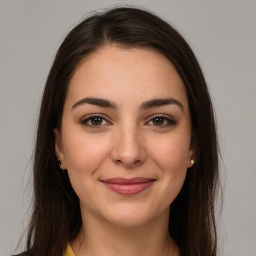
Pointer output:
x,y
160,102
97,102
144,106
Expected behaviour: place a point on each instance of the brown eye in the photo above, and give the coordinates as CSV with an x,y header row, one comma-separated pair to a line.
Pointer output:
x,y
161,121
97,120
158,121
94,121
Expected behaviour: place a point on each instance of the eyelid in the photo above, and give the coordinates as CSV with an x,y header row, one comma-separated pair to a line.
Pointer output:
x,y
85,119
168,118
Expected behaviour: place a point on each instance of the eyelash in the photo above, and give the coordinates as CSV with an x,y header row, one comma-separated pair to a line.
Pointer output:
x,y
90,118
168,120
85,121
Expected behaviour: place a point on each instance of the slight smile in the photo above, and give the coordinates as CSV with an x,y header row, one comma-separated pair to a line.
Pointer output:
x,y
128,186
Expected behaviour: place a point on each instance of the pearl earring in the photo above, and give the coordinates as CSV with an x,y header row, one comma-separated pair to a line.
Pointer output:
x,y
192,161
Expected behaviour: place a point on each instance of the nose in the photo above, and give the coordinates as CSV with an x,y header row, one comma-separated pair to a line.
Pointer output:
x,y
128,147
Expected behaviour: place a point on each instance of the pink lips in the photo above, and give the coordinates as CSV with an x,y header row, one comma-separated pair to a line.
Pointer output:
x,y
128,186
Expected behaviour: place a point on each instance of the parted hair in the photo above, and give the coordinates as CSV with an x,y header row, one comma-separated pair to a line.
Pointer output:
x,y
56,216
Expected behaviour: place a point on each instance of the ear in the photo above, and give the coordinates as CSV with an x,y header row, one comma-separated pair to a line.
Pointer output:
x,y
191,157
59,148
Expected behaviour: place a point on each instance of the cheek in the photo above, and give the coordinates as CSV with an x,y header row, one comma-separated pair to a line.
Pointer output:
x,y
85,153
170,156
171,152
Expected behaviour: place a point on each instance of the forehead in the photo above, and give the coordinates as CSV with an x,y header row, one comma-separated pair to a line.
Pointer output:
x,y
126,73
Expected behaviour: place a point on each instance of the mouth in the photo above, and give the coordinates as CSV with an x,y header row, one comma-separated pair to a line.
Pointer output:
x,y
131,186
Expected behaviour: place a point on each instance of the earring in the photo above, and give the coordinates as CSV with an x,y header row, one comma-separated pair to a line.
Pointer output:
x,y
59,164
192,161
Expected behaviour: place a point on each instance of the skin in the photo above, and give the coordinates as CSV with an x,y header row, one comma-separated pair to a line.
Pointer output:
x,y
127,141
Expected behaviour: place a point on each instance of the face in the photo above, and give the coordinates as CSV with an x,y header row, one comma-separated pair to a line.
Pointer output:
x,y
125,135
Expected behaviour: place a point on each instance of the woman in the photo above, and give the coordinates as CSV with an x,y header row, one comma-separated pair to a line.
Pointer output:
x,y
126,159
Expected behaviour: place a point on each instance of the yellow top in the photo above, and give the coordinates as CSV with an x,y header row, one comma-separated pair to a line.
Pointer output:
x,y
69,251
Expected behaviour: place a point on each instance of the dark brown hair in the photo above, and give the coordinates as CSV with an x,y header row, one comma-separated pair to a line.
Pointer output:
x,y
56,217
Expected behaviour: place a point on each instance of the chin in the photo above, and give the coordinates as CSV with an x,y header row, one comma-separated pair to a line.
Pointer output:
x,y
129,221
131,216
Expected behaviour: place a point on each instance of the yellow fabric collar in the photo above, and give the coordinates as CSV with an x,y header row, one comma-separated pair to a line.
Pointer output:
x,y
69,251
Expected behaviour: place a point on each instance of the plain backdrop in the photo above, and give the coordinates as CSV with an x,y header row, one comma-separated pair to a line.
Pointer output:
x,y
223,37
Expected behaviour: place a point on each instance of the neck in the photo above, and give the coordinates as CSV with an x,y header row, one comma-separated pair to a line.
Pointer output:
x,y
101,238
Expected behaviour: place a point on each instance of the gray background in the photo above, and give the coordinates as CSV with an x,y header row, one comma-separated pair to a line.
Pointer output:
x,y
222,35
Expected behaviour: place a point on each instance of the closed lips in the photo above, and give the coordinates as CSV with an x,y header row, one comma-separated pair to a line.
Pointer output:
x,y
128,186
124,181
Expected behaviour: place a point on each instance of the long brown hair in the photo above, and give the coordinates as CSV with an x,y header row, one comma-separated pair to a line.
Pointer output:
x,y
56,217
